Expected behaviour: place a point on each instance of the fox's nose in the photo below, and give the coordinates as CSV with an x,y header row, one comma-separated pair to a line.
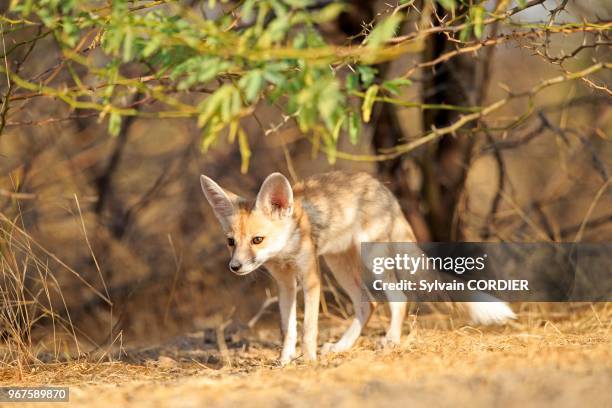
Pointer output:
x,y
235,266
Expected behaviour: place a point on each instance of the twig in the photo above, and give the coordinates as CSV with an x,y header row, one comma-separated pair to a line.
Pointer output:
x,y
270,300
585,220
222,344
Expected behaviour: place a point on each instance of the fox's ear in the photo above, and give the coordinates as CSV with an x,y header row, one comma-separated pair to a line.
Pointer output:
x,y
275,196
220,200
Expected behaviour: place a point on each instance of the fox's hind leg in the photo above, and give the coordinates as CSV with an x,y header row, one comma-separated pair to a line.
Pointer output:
x,y
398,313
311,283
346,268
399,231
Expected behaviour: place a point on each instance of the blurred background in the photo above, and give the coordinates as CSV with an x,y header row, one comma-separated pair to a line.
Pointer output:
x,y
108,238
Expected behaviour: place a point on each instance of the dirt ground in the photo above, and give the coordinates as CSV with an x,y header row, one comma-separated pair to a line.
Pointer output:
x,y
563,361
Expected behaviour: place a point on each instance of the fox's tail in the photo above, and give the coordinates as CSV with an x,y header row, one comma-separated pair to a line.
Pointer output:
x,y
482,307
487,310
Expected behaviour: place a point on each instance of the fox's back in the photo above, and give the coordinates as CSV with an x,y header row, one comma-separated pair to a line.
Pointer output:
x,y
345,209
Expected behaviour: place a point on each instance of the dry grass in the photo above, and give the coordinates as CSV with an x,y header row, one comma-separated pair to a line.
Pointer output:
x,y
561,355
28,294
35,321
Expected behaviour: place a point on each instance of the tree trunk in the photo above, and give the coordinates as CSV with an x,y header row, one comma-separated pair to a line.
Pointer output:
x,y
458,81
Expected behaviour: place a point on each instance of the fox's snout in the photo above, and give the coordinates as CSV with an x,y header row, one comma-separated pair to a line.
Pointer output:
x,y
235,266
241,265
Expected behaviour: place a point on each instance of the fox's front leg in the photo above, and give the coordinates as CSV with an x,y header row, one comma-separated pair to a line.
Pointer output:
x,y
287,291
311,281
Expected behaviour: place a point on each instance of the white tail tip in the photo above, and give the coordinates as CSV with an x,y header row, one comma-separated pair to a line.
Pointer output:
x,y
488,313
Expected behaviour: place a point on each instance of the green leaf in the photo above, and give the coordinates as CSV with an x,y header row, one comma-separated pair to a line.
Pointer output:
x,y
331,146
209,134
236,104
211,105
275,32
300,3
394,85
247,9
245,151
226,108
464,35
27,8
251,84
352,82
329,100
354,127
299,41
367,74
128,44
328,13
233,131
368,103
274,77
447,4
477,13
114,124
337,128
152,46
383,31
70,31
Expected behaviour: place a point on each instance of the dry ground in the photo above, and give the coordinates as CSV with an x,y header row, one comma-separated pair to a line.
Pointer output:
x,y
560,360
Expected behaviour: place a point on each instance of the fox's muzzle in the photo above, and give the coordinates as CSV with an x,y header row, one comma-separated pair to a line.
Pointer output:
x,y
235,266
242,268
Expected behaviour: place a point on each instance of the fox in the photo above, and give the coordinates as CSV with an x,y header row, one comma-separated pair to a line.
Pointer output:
x,y
287,229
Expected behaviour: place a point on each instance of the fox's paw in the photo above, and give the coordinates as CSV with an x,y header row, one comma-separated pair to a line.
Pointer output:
x,y
284,361
310,356
388,343
287,357
329,348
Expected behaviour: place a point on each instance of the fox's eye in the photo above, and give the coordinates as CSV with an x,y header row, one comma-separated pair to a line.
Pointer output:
x,y
231,242
257,240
